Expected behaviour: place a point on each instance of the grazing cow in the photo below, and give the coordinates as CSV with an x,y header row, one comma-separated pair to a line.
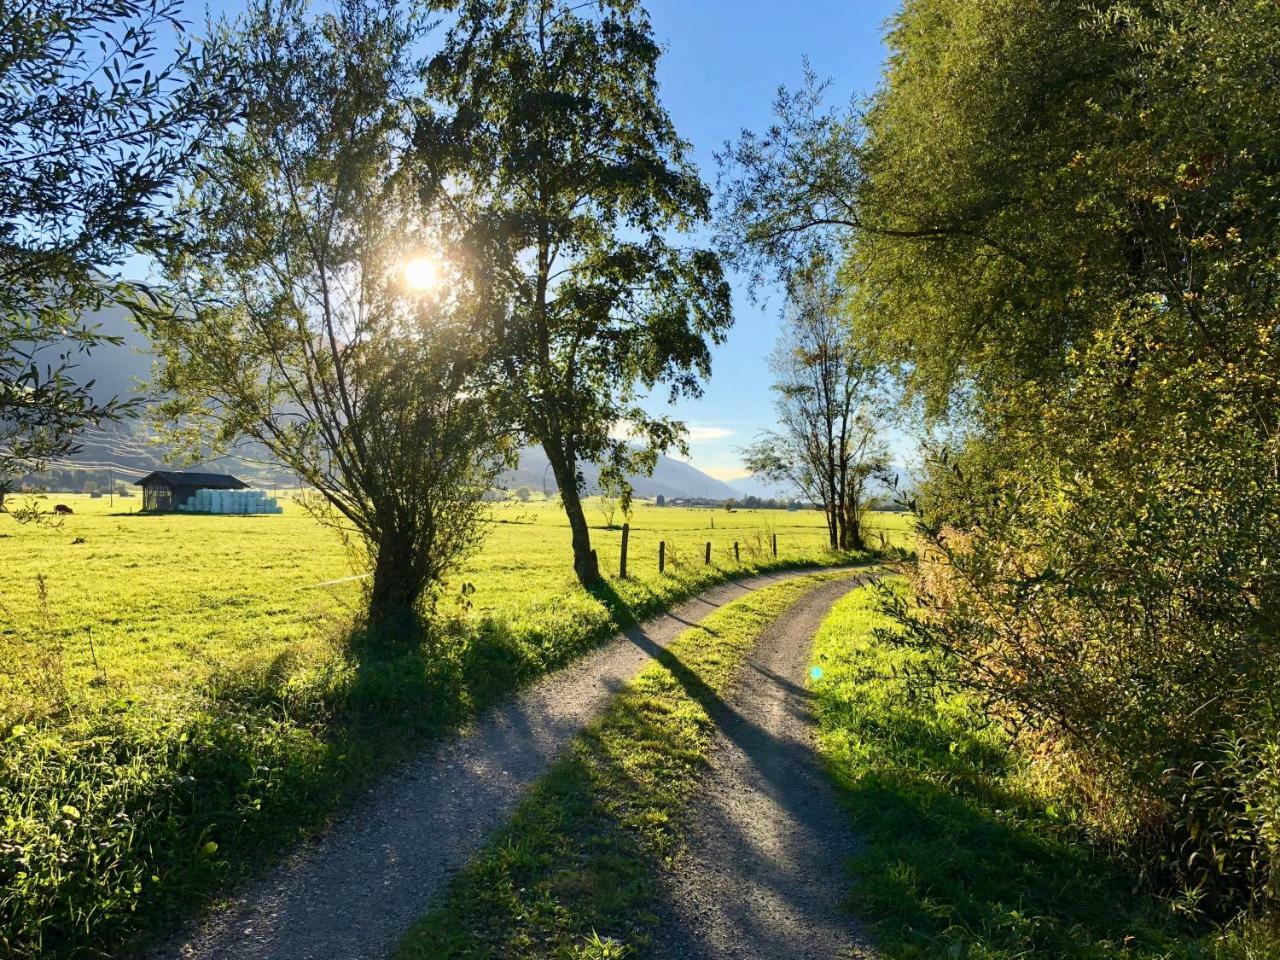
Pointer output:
x,y
63,510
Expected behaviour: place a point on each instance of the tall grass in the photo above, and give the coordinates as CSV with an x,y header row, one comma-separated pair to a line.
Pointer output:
x,y
971,848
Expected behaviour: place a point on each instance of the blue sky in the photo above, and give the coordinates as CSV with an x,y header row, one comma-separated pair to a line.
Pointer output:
x,y
724,61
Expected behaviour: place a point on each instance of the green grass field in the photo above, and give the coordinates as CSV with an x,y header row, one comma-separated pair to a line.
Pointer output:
x,y
169,598
178,704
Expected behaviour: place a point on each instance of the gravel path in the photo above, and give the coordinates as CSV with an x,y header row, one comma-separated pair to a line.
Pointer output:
x,y
763,876
352,893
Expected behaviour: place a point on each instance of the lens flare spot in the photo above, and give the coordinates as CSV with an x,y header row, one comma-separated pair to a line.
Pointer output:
x,y
815,673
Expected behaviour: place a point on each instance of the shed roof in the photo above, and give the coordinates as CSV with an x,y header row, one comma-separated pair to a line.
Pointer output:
x,y
178,478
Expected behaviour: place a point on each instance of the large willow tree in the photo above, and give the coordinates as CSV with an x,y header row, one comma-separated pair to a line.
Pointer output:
x,y
288,319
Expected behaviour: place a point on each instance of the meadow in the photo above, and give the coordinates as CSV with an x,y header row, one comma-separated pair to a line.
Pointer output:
x,y
178,703
144,603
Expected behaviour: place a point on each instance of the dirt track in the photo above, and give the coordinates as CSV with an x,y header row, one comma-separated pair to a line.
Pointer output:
x,y
764,873
352,893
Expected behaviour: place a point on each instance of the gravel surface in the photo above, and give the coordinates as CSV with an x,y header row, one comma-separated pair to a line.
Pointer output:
x,y
764,872
353,892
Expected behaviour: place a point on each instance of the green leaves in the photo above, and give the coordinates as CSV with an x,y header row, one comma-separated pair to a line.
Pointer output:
x,y
1093,312
96,131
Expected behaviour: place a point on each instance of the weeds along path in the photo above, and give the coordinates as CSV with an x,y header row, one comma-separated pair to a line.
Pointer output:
x,y
763,875
353,892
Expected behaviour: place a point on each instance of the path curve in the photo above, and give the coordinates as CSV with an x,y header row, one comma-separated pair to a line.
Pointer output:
x,y
351,894
763,874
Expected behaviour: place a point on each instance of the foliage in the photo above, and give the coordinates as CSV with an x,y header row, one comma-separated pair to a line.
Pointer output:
x,y
830,405
584,851
1061,229
96,130
971,848
288,322
547,145
1102,304
791,192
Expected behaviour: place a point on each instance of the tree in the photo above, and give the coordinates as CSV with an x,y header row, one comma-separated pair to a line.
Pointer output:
x,y
289,321
793,190
1106,535
830,404
1068,241
615,494
96,129
566,176
608,510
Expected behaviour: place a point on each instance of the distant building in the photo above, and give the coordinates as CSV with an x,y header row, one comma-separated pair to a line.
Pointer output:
x,y
164,490
661,501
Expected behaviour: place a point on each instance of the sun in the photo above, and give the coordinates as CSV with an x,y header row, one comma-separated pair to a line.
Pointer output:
x,y
422,273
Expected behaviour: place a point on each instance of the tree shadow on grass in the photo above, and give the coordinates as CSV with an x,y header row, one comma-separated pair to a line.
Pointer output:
x,y
956,865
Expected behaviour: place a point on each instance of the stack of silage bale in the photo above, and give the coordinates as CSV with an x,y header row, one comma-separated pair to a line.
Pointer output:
x,y
243,502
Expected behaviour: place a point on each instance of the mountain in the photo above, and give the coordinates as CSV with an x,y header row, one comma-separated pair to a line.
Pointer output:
x,y
116,370
671,478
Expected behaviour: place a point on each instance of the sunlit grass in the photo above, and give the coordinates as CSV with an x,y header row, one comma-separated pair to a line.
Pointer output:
x,y
161,600
958,858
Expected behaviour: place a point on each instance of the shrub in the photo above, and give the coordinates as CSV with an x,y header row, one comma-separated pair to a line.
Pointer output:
x,y
1105,582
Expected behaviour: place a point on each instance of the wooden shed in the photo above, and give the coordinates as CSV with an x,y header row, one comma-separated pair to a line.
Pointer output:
x,y
163,490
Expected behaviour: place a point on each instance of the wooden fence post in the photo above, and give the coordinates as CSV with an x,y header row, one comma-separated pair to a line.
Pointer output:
x,y
708,560
775,545
737,558
622,565
662,555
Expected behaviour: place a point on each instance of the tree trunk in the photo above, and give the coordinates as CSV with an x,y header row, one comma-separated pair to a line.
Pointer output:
x,y
396,591
585,564
835,512
853,527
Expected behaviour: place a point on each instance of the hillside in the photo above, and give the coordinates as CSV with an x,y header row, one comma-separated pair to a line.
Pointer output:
x,y
671,478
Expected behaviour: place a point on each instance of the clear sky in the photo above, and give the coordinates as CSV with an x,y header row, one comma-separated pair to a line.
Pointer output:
x,y
724,61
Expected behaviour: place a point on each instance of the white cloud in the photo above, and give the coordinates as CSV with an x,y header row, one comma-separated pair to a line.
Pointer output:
x,y
698,433
704,434
727,474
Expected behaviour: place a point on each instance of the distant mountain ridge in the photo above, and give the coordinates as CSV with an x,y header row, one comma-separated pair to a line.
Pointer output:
x,y
671,479
118,371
